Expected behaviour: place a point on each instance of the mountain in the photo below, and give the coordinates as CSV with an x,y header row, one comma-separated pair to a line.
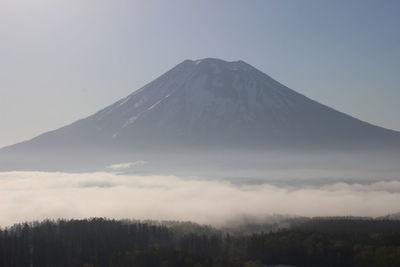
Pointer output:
x,y
212,104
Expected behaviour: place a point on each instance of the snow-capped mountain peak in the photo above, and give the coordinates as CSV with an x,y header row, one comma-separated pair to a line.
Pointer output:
x,y
212,102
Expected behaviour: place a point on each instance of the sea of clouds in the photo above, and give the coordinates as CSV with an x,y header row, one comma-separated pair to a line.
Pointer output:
x,y
28,196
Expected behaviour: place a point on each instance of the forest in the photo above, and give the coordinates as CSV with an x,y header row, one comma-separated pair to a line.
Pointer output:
x,y
100,242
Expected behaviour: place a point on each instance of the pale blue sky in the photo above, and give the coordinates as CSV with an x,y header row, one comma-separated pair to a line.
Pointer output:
x,y
61,60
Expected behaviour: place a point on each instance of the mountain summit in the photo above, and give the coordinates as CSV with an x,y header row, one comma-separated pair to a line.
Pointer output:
x,y
211,103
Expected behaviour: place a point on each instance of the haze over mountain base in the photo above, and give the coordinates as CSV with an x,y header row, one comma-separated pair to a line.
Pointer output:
x,y
208,141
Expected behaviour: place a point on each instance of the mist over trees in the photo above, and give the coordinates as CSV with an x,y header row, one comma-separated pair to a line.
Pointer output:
x,y
102,242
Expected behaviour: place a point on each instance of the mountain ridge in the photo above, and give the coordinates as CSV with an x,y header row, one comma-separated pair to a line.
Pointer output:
x,y
217,104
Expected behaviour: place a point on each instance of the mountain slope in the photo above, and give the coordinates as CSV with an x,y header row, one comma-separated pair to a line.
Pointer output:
x,y
216,104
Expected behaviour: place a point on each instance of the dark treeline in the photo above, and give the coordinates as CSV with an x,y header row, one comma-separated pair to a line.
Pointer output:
x,y
100,242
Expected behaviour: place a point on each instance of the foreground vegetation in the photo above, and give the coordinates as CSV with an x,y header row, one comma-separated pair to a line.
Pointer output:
x,y
101,242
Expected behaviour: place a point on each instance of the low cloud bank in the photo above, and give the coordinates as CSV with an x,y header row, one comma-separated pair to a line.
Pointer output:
x,y
27,196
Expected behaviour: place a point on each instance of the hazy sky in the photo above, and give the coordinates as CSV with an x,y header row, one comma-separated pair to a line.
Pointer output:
x,y
61,60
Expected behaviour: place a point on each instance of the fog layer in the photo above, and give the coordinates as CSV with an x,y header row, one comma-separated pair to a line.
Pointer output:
x,y
27,196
